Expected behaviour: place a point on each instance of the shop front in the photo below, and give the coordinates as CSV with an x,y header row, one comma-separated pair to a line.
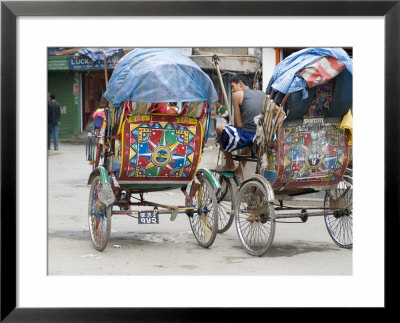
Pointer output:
x,y
79,84
65,84
93,75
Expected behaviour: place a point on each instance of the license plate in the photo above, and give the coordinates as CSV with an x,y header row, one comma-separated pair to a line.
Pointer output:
x,y
148,218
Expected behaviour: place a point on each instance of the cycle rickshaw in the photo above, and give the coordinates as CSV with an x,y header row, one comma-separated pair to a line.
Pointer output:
x,y
150,138
302,146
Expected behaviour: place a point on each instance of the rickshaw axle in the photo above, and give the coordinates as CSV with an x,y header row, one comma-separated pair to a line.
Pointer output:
x,y
181,210
304,214
162,211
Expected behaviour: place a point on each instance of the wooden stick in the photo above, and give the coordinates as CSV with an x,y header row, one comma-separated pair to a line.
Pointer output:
x,y
221,55
105,68
263,106
279,124
269,120
278,121
263,112
267,112
272,124
266,115
224,92
281,118
284,99
69,51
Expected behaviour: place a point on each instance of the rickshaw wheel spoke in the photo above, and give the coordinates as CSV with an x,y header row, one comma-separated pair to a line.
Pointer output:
x,y
204,223
99,216
255,218
340,223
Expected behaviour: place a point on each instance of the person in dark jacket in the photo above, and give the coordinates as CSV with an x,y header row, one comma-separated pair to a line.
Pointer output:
x,y
53,115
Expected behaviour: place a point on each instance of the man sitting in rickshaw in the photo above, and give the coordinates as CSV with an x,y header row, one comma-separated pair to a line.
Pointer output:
x,y
247,104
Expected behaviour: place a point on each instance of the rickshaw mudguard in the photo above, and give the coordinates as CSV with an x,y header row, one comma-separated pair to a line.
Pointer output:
x,y
104,177
265,182
210,176
106,194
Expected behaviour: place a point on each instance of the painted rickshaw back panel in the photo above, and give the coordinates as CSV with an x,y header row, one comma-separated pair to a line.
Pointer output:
x,y
313,154
160,149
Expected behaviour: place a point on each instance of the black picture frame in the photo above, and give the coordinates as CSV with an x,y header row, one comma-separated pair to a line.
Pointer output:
x,y
10,10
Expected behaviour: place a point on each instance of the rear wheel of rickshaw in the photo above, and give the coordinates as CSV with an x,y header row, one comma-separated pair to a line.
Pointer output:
x,y
204,221
99,217
254,218
340,222
226,206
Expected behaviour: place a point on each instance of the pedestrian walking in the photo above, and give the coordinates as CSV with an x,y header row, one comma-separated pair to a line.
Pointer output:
x,y
53,115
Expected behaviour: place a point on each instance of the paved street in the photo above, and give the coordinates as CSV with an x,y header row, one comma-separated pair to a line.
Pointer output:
x,y
169,248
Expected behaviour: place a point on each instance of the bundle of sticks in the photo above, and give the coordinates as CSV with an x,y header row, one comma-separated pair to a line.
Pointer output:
x,y
273,116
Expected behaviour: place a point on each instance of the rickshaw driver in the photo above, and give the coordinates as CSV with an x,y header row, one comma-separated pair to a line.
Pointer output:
x,y
247,104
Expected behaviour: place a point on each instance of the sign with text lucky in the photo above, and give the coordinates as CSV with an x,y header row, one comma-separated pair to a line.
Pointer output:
x,y
85,63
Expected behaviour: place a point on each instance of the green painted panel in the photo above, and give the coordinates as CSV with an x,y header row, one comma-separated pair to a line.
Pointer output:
x,y
57,63
66,85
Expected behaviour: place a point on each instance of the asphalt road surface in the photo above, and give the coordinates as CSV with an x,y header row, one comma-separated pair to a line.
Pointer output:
x,y
169,248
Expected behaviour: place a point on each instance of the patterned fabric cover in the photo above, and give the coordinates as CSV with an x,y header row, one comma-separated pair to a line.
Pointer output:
x,y
160,149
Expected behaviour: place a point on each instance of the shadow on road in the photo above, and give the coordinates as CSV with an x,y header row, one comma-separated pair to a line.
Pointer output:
x,y
299,247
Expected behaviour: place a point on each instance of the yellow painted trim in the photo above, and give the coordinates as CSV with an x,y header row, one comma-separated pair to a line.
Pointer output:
x,y
121,121
278,138
201,146
141,118
164,114
122,148
186,120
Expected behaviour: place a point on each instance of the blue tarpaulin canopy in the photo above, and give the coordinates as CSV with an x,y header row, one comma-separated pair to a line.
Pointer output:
x,y
97,54
285,78
159,75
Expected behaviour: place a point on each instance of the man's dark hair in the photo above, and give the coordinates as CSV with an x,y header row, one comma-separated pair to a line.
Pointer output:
x,y
52,96
240,77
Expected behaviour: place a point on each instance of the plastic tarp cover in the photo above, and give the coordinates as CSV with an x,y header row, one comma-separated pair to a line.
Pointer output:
x,y
159,75
285,78
97,54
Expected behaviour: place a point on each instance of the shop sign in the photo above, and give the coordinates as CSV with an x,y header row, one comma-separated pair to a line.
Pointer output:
x,y
57,63
85,63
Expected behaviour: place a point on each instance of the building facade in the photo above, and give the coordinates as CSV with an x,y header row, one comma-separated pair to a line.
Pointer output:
x,y
79,82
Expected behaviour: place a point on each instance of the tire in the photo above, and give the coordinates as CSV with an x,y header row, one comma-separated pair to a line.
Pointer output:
x,y
254,218
340,223
226,203
204,222
99,217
